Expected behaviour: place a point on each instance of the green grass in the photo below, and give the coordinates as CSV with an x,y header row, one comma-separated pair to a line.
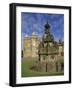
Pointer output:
x,y
27,72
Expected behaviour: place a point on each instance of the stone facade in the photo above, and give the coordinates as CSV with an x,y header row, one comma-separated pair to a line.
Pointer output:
x,y
31,46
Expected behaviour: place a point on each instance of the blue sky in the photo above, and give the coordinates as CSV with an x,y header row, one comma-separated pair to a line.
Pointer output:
x,y
34,22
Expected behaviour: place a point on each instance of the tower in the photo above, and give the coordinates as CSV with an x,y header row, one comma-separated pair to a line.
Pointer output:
x,y
47,38
34,45
47,41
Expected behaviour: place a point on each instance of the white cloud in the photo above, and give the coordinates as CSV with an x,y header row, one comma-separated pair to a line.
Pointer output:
x,y
26,35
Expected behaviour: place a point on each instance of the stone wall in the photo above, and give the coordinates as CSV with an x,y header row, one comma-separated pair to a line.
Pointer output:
x,y
50,67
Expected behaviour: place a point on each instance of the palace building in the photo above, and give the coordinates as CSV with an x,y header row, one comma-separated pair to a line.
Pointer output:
x,y
33,45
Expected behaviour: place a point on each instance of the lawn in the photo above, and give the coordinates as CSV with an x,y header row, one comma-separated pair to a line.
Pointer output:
x,y
27,72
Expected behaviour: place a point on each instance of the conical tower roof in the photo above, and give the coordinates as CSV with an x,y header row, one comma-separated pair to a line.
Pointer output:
x,y
48,37
47,25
